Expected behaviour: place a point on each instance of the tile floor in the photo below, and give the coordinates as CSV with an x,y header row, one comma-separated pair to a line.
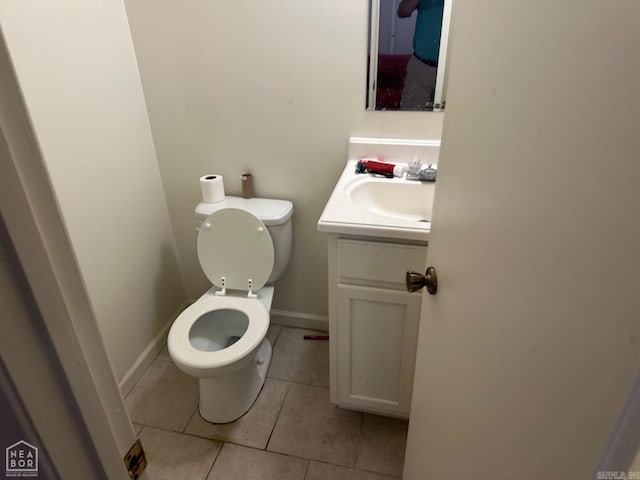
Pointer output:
x,y
292,432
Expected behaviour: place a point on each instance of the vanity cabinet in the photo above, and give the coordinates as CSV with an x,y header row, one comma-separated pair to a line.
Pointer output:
x,y
373,323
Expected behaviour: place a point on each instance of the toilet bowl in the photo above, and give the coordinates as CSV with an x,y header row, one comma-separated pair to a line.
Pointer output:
x,y
216,335
221,338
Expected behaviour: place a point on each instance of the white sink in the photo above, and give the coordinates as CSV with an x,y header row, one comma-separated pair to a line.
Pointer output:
x,y
366,205
372,206
394,198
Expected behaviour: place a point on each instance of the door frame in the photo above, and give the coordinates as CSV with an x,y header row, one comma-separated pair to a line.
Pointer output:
x,y
42,249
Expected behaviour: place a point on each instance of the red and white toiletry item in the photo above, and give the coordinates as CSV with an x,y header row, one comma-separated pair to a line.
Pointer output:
x,y
373,165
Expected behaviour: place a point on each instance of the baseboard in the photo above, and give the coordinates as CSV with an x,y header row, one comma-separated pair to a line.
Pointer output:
x,y
147,355
309,321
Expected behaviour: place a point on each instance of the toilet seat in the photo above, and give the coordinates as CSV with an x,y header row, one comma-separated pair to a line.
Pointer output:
x,y
235,250
200,363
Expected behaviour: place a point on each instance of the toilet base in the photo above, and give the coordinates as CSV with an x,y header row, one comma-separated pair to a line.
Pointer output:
x,y
226,398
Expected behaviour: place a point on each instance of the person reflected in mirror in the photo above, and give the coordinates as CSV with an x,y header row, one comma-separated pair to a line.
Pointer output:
x,y
420,82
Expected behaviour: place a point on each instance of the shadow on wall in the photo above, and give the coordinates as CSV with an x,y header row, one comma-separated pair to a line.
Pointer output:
x,y
169,292
294,291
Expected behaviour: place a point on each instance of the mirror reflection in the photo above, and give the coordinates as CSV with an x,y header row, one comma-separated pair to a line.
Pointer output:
x,y
408,40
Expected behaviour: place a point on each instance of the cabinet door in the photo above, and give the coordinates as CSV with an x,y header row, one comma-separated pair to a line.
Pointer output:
x,y
376,348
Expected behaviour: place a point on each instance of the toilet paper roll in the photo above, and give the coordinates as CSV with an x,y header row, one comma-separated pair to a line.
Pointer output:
x,y
212,188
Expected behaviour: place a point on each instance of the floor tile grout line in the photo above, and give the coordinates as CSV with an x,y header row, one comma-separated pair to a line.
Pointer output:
x,y
297,383
355,462
282,454
286,394
390,475
192,435
215,459
364,470
195,411
273,345
308,459
287,327
306,472
163,360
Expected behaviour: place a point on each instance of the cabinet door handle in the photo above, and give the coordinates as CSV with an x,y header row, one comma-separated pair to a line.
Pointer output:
x,y
415,281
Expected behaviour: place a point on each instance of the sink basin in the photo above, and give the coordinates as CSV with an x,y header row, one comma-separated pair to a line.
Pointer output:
x,y
363,205
366,205
395,198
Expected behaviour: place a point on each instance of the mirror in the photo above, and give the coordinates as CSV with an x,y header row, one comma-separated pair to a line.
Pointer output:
x,y
408,40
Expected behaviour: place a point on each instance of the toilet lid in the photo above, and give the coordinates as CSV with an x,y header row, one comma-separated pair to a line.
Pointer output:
x,y
236,245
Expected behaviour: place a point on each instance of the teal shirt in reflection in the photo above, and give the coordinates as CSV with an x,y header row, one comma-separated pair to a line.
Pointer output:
x,y
426,40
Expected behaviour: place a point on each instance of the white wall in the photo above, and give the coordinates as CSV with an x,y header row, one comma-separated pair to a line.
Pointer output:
x,y
77,71
274,88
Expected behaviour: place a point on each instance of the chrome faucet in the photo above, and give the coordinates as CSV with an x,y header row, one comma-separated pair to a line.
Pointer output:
x,y
419,170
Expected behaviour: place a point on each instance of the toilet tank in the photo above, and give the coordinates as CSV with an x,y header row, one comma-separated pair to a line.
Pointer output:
x,y
276,216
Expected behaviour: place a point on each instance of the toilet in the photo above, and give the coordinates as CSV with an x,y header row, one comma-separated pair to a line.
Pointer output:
x,y
243,247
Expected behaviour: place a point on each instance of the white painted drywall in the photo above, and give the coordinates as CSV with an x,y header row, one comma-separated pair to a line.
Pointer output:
x,y
274,88
77,71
